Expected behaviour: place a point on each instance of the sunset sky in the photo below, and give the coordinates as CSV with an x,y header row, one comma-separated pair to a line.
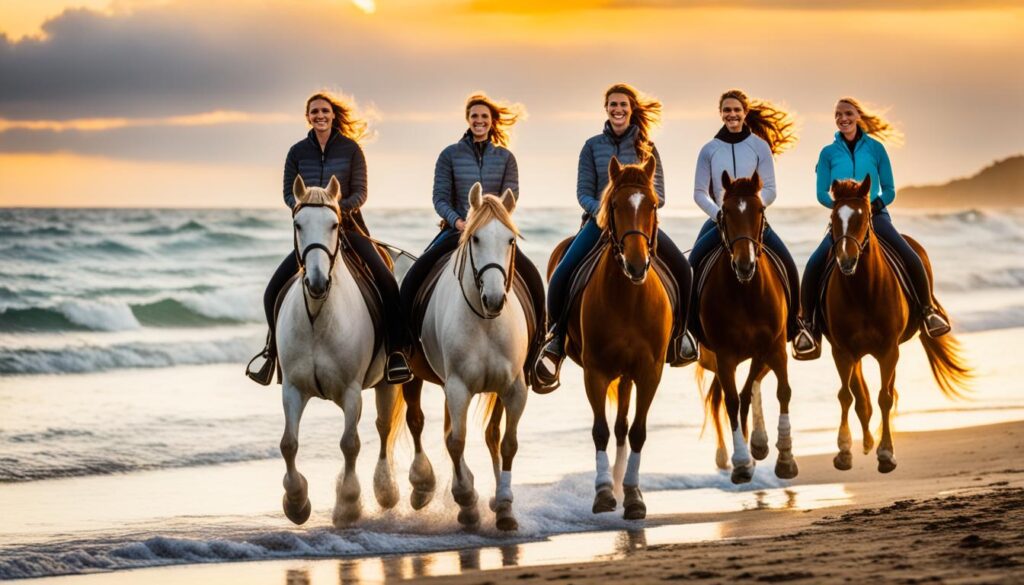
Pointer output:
x,y
184,103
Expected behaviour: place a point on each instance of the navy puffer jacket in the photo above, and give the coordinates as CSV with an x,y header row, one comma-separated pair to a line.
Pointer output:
x,y
342,157
592,175
462,164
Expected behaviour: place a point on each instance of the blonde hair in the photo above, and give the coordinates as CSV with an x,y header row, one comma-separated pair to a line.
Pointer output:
x,y
873,124
346,120
765,119
646,115
503,116
490,208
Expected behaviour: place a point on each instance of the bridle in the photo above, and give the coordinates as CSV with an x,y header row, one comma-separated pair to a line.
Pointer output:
x,y
758,242
861,245
618,242
300,256
478,274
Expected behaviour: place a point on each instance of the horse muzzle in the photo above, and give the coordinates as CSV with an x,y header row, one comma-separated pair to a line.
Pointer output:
x,y
847,266
316,288
636,274
744,271
492,304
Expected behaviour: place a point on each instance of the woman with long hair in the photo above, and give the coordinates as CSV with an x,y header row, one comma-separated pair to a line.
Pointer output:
x,y
481,155
631,116
858,152
753,132
331,149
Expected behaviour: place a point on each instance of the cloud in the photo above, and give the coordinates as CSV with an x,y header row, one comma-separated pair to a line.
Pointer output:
x,y
214,118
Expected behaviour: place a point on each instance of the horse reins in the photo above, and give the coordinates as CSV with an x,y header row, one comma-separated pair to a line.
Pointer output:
x,y
861,245
301,256
478,275
758,242
618,242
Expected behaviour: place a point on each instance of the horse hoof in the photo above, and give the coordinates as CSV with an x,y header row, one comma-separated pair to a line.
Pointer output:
x,y
469,517
869,443
296,515
346,516
387,499
420,498
465,499
384,488
506,520
886,462
759,445
786,469
721,459
743,474
633,504
843,461
604,500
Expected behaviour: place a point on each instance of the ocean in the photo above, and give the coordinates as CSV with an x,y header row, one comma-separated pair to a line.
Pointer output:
x,y
129,437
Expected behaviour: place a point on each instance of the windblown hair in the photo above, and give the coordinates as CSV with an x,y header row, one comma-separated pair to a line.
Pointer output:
x,y
646,114
346,119
503,116
873,124
631,175
490,208
766,120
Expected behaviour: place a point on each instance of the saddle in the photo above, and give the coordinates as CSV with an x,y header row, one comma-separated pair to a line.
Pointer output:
x,y
895,262
585,272
703,270
364,280
426,292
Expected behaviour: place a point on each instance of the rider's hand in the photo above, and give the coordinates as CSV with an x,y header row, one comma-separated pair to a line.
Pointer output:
x,y
460,224
718,218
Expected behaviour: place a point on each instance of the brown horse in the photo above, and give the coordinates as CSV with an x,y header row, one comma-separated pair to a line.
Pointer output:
x,y
620,326
866,313
743,312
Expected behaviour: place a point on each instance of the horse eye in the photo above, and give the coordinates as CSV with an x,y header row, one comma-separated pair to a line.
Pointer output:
x,y
476,240
334,226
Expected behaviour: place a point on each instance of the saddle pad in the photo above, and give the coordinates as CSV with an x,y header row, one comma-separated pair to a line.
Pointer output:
x,y
705,269
892,258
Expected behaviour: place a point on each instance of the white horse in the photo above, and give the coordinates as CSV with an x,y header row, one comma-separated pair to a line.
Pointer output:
x,y
475,338
325,337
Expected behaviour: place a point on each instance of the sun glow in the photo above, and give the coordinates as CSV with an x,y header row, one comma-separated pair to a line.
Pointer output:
x,y
367,6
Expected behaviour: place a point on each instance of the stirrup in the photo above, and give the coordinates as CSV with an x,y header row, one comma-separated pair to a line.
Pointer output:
x,y
935,325
265,374
682,350
805,346
396,369
547,375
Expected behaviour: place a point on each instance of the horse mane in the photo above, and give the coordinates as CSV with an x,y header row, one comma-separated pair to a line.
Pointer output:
x,y
490,208
319,196
846,189
631,175
742,187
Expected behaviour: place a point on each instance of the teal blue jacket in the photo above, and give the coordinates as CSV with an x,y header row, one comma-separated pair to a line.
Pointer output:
x,y
869,158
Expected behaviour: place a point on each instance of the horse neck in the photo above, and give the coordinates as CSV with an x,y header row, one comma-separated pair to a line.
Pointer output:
x,y
617,285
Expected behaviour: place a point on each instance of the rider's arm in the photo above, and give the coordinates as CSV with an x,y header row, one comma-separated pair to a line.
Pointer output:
x,y
357,185
885,178
510,180
823,170
659,178
702,184
586,182
766,170
291,169
443,186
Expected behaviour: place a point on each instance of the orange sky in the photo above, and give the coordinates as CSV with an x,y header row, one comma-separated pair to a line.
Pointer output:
x,y
166,102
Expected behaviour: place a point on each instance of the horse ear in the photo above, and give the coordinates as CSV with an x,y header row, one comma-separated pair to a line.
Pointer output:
x,y
865,187
756,178
334,189
475,195
726,180
614,168
650,165
832,190
508,199
299,188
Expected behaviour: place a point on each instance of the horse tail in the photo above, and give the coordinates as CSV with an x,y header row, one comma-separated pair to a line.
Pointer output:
x,y
613,391
949,368
488,402
397,418
714,401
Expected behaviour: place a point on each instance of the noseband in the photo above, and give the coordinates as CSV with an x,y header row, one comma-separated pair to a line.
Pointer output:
x,y
478,275
300,256
618,242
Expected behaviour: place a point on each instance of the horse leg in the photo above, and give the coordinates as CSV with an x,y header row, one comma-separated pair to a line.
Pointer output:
x,y
492,436
296,494
721,453
886,398
421,473
462,482
862,404
384,487
785,464
597,390
347,506
633,500
515,403
742,462
752,388
845,364
625,388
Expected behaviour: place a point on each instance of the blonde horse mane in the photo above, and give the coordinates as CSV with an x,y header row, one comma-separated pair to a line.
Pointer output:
x,y
631,175
489,208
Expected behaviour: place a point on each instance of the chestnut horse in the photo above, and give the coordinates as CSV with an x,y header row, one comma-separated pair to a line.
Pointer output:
x,y
620,326
743,310
866,313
